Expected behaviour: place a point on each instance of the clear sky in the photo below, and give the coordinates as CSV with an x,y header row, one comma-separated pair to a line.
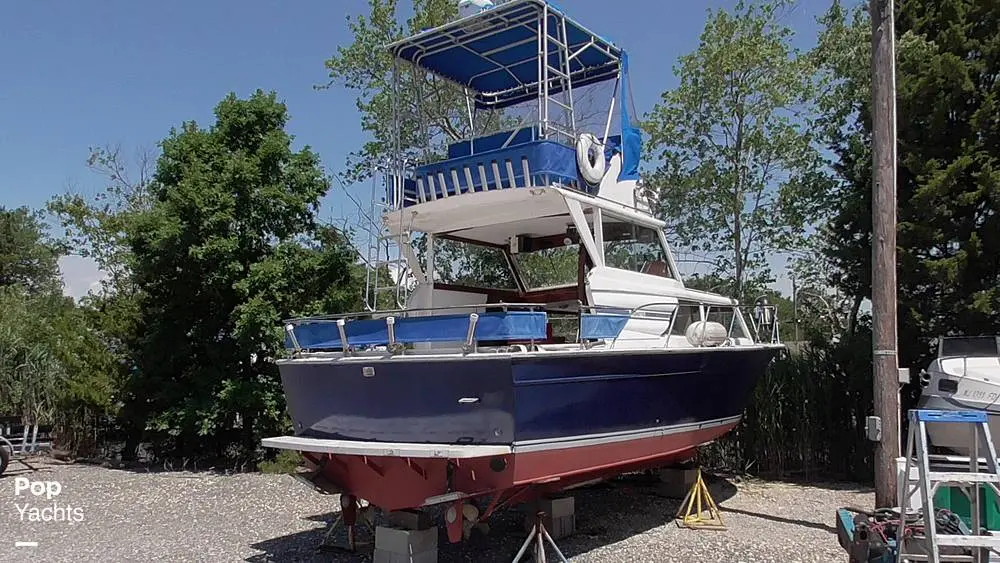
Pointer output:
x,y
79,74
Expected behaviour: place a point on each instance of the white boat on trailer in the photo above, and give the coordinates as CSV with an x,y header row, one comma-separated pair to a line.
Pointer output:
x,y
549,339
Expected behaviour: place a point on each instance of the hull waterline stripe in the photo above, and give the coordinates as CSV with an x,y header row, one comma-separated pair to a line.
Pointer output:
x,y
528,446
383,449
455,451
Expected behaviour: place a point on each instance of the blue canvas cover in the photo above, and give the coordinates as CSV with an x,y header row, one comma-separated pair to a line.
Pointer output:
x,y
545,158
512,325
495,53
631,134
601,325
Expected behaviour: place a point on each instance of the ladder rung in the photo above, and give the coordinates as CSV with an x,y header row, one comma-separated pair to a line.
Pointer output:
x,y
386,288
962,477
968,541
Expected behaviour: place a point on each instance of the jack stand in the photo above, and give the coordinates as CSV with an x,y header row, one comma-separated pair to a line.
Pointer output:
x,y
699,497
539,535
350,509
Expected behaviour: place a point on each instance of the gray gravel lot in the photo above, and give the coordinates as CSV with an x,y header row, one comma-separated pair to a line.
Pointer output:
x,y
183,516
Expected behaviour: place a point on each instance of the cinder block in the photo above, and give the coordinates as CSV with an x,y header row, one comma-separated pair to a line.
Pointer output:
x,y
676,482
409,543
409,519
559,516
558,507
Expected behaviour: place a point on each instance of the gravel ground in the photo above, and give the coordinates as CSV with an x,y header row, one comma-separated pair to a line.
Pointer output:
x,y
184,516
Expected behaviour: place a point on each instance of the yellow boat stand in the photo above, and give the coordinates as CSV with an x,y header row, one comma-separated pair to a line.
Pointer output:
x,y
698,501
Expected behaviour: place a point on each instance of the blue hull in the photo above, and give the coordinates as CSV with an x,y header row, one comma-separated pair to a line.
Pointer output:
x,y
506,399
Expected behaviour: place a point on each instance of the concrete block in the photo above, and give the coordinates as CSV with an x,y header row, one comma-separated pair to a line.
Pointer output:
x,y
676,482
559,516
409,519
409,543
558,507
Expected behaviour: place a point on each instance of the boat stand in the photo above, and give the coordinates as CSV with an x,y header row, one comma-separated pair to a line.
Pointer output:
x,y
350,509
698,501
539,535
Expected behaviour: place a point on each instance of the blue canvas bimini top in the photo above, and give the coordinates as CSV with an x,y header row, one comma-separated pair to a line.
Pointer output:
x,y
495,53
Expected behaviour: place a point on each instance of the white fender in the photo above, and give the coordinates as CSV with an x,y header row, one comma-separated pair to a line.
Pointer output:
x,y
591,166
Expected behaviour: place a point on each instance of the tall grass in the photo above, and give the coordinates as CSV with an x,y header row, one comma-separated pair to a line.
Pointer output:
x,y
806,418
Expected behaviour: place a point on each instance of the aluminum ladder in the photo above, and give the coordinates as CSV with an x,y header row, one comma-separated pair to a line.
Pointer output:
x,y
387,270
928,481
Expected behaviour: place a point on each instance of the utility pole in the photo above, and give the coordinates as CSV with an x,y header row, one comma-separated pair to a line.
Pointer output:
x,y
884,336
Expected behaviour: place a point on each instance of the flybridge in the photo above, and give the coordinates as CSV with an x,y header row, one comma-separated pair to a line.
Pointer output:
x,y
499,53
518,53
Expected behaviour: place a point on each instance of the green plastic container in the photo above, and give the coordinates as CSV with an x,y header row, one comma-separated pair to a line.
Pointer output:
x,y
956,501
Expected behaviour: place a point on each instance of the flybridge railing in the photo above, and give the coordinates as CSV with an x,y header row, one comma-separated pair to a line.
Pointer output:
x,y
529,325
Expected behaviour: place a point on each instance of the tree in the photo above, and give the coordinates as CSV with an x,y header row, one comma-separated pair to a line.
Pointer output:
x,y
229,247
948,182
741,177
27,258
97,228
52,365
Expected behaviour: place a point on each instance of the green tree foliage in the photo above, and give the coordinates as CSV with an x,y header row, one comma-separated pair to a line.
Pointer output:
x,y
230,246
53,367
949,231
97,228
740,176
26,259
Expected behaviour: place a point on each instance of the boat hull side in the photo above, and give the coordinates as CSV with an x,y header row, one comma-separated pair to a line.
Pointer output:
x,y
955,437
403,401
556,398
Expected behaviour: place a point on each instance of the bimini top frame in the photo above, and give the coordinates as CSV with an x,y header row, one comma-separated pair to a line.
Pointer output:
x,y
499,54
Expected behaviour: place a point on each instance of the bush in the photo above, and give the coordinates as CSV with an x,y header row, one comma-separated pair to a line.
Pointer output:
x,y
286,461
807,416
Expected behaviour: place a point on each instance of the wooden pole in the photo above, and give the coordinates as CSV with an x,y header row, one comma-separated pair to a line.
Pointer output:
x,y
884,336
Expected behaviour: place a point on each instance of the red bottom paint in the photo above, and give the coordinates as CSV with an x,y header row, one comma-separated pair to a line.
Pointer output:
x,y
395,483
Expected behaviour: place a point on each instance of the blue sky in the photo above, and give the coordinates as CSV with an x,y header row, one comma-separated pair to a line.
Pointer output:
x,y
80,74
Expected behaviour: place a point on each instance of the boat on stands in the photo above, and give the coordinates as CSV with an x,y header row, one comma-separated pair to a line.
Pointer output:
x,y
964,376
543,335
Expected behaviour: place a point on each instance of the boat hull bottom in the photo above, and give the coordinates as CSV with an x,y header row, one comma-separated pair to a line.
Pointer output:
x,y
397,483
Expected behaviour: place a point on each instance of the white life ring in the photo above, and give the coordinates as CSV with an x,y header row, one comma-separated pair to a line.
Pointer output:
x,y
591,165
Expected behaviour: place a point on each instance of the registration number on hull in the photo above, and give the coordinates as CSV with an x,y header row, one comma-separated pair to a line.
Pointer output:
x,y
980,395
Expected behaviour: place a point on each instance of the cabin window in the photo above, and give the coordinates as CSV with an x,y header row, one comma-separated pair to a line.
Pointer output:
x,y
549,267
473,265
726,316
634,248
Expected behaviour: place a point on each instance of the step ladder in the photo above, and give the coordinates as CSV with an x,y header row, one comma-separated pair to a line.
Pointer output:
x,y
928,481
